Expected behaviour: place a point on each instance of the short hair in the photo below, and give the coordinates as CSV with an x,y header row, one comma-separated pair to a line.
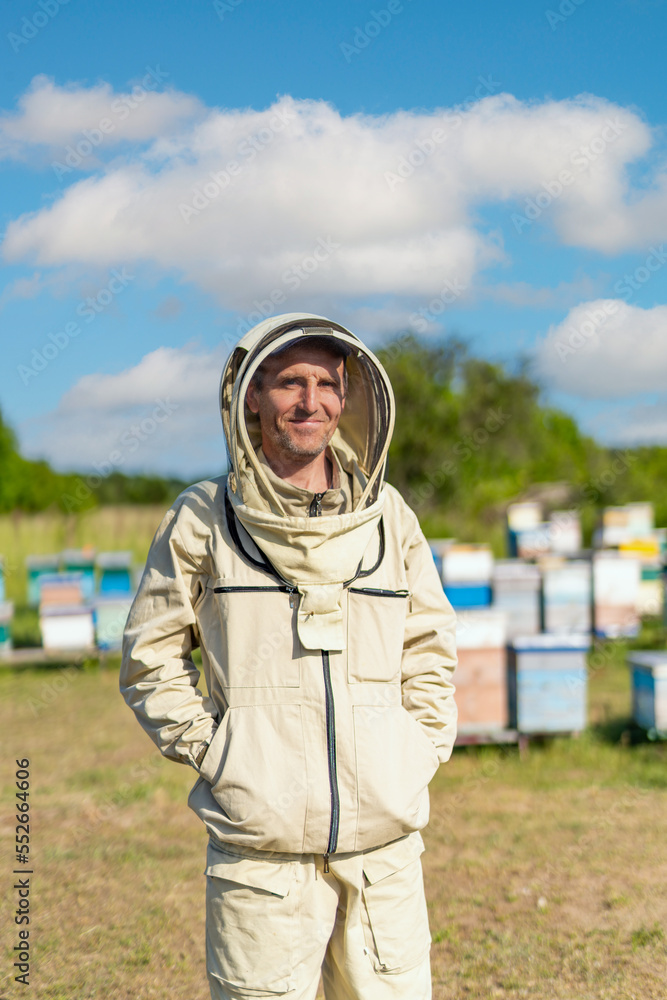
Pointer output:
x,y
330,345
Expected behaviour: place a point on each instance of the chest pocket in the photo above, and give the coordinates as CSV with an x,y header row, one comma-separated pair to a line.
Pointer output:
x,y
259,638
375,633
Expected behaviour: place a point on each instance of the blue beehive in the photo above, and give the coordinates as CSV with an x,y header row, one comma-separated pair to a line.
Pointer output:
x,y
466,575
115,572
468,595
548,683
649,689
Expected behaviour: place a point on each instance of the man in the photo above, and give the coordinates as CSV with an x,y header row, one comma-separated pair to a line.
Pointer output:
x,y
327,647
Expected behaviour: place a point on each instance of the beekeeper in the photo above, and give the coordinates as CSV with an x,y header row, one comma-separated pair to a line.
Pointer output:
x,y
327,647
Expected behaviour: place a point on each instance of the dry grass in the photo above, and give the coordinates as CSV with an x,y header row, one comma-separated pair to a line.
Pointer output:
x,y
546,876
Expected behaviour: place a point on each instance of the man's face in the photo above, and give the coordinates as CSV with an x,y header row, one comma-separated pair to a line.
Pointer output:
x,y
299,403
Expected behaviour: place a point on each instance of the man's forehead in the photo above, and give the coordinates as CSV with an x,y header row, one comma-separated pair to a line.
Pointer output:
x,y
303,355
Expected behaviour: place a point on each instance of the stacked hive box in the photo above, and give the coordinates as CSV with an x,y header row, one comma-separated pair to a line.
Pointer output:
x,y
566,595
516,592
466,575
481,674
626,524
39,566
110,617
616,583
522,519
647,551
534,542
81,561
65,622
548,683
649,689
115,572
565,533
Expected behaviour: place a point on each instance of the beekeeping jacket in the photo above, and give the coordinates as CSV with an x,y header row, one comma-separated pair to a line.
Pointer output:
x,y
327,644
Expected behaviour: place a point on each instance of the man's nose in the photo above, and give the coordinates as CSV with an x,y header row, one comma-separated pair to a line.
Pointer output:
x,y
309,398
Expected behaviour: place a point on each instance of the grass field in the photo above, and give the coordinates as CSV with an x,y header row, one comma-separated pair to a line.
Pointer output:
x,y
546,876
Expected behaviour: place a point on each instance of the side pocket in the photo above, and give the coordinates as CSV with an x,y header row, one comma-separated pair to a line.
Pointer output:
x,y
252,918
396,925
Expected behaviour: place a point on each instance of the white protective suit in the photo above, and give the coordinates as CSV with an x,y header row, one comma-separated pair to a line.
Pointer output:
x,y
327,647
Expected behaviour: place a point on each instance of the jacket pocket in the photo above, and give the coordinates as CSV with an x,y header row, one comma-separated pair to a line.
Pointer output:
x,y
375,633
260,644
256,766
395,915
252,917
396,761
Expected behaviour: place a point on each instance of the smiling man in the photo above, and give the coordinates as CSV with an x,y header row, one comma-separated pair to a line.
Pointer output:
x,y
327,647
299,395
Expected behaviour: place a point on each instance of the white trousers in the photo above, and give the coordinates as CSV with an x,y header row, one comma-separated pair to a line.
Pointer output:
x,y
274,922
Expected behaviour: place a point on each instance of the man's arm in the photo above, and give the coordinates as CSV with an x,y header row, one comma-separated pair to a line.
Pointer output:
x,y
429,651
157,677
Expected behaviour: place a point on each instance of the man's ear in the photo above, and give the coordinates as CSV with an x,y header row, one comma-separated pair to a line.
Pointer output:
x,y
252,399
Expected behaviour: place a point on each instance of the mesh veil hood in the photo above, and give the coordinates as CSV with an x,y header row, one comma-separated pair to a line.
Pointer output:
x,y
366,424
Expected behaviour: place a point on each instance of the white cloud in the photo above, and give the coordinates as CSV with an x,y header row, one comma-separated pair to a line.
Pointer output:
x,y
162,414
606,349
57,117
298,200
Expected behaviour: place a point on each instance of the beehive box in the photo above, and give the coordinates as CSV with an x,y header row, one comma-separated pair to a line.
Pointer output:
x,y
466,575
115,572
59,589
648,671
616,589
110,618
67,628
565,535
522,516
516,592
651,591
81,561
566,595
37,567
6,615
531,543
481,674
548,683
628,523
468,595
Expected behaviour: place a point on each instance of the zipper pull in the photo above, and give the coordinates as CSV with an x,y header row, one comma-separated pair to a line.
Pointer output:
x,y
292,599
326,864
316,505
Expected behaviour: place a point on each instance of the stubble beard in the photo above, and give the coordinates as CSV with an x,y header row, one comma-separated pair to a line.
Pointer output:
x,y
297,450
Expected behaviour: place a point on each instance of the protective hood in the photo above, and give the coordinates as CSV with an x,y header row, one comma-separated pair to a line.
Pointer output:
x,y
316,556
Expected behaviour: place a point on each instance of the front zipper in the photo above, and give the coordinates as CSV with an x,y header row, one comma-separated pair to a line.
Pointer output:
x,y
282,589
375,592
331,758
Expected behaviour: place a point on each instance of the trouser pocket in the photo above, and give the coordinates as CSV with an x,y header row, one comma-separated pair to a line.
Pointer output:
x,y
396,918
252,918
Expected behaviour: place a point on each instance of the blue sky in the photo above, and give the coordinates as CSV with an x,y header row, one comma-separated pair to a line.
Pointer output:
x,y
172,172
